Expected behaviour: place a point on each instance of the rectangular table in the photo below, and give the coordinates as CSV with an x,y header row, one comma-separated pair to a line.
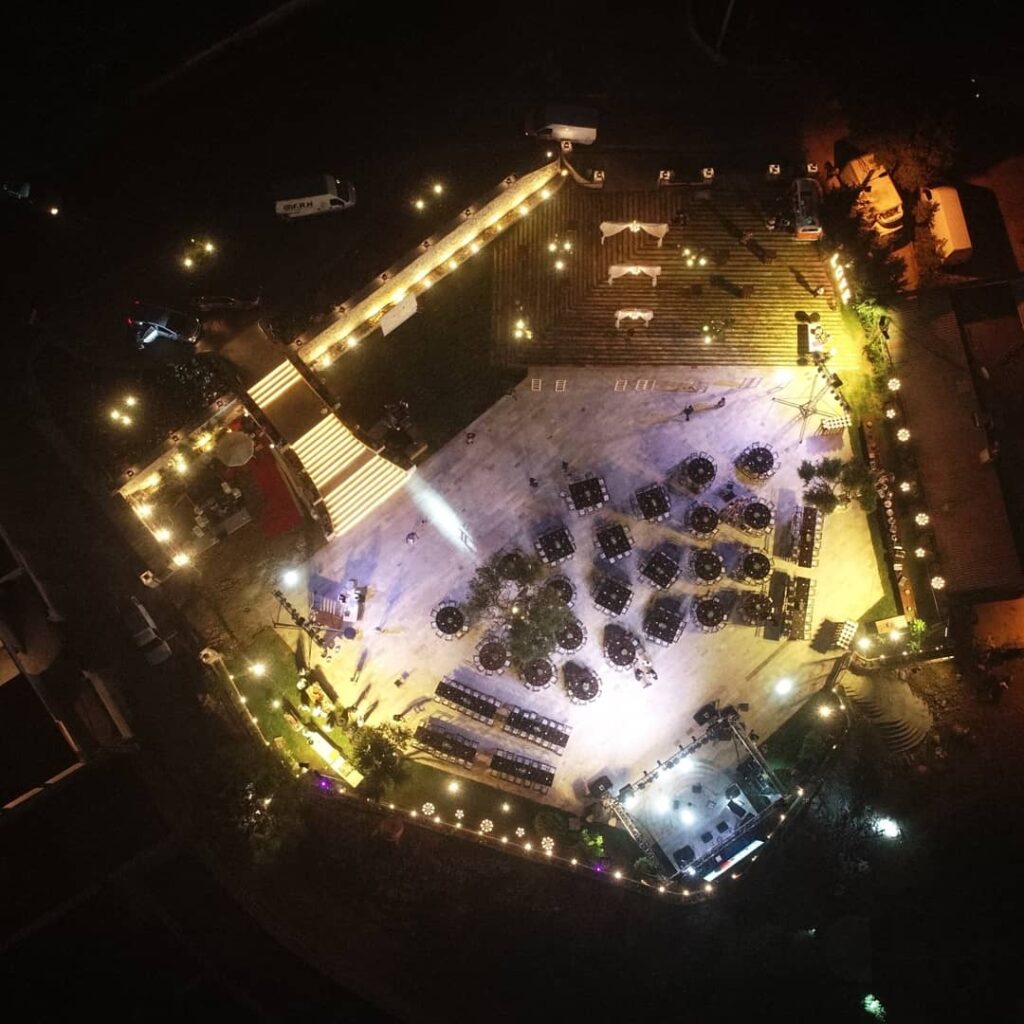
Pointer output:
x,y
587,495
466,699
556,546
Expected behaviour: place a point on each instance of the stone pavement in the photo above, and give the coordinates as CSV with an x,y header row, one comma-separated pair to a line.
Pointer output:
x,y
471,500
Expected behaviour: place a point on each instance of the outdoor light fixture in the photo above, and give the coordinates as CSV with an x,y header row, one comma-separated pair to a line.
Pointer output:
x,y
454,786
258,669
894,384
187,262
559,265
938,582
419,204
825,710
567,246
552,247
523,209
115,414
144,511
920,552
905,486
54,210
352,342
276,703
130,400
922,519
506,807
290,577
890,413
864,643
181,559
903,435
887,827
453,264
784,686
545,193
208,247
163,535
686,816
438,188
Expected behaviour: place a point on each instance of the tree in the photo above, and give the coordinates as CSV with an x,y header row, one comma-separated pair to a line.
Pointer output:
x,y
807,471
830,468
916,154
646,868
377,751
484,591
534,628
821,497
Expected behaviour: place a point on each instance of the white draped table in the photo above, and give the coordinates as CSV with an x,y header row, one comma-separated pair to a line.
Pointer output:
x,y
613,227
646,315
622,269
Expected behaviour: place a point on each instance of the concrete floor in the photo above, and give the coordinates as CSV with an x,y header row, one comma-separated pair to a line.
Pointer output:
x,y
471,500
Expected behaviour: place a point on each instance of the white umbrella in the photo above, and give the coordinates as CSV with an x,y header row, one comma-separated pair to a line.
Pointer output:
x,y
235,448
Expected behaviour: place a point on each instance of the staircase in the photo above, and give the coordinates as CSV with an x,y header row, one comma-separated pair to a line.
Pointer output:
x,y
902,719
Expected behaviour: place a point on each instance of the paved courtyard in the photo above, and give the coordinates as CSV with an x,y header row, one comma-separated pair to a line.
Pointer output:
x,y
470,500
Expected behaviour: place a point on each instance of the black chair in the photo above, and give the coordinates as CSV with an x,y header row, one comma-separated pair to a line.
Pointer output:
x,y
732,790
722,827
706,837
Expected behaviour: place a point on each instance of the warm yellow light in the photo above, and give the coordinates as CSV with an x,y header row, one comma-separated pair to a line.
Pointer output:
x,y
204,441
454,786
144,511
130,400
938,582
864,643
258,669
567,246
453,264
151,481
506,807
115,414
922,519
351,342
894,384
825,710
208,247
398,296
474,247
126,420
518,333
552,247
559,265
180,464
905,486
521,324
187,262
903,434
419,204
326,361
276,703
618,874
523,209
920,553
181,559
54,211
163,535
545,193
438,188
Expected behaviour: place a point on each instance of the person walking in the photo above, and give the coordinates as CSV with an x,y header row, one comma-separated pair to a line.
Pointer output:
x,y
534,482
688,412
720,404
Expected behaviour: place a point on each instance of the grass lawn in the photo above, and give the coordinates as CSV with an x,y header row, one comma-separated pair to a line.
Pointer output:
x,y
440,361
804,736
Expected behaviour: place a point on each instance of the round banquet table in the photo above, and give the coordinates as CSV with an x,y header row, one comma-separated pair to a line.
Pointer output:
x,y
493,655
757,516
450,620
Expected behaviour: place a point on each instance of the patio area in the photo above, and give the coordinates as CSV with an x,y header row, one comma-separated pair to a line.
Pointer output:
x,y
500,487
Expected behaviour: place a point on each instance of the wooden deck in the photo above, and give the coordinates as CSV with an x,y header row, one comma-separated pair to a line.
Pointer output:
x,y
572,313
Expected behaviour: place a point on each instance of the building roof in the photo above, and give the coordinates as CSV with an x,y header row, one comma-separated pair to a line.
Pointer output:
x,y
32,747
964,499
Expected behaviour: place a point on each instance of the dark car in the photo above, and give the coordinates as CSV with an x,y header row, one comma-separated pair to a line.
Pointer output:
x,y
149,323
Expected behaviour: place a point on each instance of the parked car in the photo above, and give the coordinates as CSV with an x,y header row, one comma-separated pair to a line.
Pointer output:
x,y
806,196
224,303
878,197
144,634
152,322
558,122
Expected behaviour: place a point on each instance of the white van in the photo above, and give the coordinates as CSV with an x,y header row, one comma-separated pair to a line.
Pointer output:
x,y
318,193
949,229
557,122
878,195
806,195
